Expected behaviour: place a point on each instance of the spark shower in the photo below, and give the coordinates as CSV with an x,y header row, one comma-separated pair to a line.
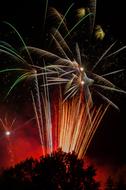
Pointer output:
x,y
62,87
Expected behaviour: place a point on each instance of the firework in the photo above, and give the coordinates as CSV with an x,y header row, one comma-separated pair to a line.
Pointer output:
x,y
99,33
7,126
70,120
77,129
69,125
8,130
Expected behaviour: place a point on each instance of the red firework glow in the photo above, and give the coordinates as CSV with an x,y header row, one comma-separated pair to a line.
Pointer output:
x,y
18,141
67,125
24,138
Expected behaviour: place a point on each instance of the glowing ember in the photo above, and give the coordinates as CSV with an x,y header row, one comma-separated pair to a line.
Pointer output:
x,y
7,133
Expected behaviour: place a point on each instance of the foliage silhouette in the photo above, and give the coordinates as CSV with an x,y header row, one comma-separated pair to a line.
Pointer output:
x,y
58,171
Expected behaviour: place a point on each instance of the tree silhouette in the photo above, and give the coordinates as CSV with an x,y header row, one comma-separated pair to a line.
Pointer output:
x,y
58,171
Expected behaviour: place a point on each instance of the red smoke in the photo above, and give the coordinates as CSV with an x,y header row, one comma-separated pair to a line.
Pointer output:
x,y
24,142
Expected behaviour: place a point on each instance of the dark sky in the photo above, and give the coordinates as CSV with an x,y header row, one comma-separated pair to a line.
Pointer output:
x,y
27,13
108,145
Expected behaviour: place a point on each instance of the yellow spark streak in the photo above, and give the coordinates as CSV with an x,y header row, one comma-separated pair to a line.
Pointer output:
x,y
97,121
76,129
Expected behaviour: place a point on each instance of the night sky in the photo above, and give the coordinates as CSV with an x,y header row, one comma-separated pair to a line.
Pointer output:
x,y
107,149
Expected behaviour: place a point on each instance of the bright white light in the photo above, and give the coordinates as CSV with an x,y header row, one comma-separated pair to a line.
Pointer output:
x,y
81,68
82,82
7,133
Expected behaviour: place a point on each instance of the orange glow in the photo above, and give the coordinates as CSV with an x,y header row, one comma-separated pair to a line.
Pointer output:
x,y
69,124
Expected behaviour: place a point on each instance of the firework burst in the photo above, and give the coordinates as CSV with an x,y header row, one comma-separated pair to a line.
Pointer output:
x,y
70,119
8,130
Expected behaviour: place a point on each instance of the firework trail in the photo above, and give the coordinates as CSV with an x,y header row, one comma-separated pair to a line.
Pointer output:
x,y
70,119
8,129
92,5
76,131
